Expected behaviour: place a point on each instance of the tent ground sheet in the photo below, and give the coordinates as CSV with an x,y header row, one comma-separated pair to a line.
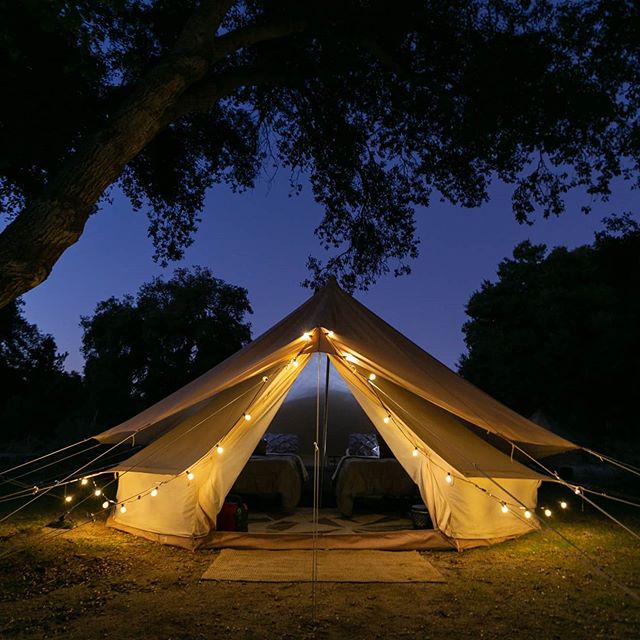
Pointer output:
x,y
332,566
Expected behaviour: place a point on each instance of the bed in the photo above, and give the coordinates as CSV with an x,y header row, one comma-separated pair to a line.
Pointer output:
x,y
281,474
359,477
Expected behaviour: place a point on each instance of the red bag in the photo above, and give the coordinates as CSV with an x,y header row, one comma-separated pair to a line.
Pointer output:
x,y
232,517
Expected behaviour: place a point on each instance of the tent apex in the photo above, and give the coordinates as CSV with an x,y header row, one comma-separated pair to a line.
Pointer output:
x,y
330,283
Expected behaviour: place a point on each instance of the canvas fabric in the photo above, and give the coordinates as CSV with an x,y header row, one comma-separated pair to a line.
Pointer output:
x,y
433,409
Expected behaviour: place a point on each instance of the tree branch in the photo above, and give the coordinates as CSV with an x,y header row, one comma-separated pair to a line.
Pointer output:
x,y
199,30
253,34
204,95
33,242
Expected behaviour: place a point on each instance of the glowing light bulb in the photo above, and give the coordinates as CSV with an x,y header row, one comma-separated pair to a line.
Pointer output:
x,y
190,476
372,376
387,419
449,478
415,452
123,509
527,514
349,358
294,362
329,334
504,508
265,378
219,448
247,416
154,492
577,491
68,498
97,493
547,512
306,336
105,504
84,481
563,505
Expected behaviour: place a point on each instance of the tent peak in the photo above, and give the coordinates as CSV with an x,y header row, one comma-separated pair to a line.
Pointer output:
x,y
330,283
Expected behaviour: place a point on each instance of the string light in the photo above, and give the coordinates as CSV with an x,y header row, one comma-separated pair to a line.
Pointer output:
x,y
154,492
190,476
105,504
97,493
527,514
329,334
68,498
547,512
387,419
123,509
349,358
415,452
504,508
372,376
563,505
84,481
449,478
306,336
294,362
219,448
577,491
247,416
265,378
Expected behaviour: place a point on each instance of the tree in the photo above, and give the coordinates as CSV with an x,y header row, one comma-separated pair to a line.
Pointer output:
x,y
38,398
381,104
558,332
138,350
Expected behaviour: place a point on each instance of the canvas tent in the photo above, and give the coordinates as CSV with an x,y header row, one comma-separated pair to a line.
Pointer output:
x,y
199,438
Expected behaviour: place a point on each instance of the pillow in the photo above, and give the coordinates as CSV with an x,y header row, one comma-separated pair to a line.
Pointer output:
x,y
282,442
363,444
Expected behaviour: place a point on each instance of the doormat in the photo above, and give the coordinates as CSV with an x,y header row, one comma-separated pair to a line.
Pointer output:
x,y
333,566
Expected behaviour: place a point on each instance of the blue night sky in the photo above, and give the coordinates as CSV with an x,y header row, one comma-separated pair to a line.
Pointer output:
x,y
261,239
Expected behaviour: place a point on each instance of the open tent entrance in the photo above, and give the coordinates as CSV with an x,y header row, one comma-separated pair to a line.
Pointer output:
x,y
199,439
355,464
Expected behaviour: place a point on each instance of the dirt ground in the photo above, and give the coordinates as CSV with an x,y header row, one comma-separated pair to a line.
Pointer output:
x,y
94,582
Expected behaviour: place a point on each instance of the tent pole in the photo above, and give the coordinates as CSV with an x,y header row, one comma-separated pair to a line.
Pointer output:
x,y
325,429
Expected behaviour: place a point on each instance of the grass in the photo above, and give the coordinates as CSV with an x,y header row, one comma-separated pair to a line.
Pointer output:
x,y
94,582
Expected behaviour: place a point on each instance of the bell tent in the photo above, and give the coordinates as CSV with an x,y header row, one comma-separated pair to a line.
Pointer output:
x,y
442,430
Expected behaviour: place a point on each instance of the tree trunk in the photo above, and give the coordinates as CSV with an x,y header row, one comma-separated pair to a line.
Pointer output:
x,y
47,226
50,224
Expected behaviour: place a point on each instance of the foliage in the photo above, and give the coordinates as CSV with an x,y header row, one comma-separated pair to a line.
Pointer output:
x,y
558,332
139,349
381,105
38,398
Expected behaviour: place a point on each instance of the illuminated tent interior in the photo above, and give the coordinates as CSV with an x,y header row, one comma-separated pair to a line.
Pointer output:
x,y
440,428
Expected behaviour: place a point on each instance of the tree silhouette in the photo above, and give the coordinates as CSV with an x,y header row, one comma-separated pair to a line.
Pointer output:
x,y
558,332
39,400
140,349
381,104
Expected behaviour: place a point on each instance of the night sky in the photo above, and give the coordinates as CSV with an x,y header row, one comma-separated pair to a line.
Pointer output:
x,y
261,239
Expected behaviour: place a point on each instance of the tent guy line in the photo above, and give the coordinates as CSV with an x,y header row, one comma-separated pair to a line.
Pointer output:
x,y
73,477
27,473
579,491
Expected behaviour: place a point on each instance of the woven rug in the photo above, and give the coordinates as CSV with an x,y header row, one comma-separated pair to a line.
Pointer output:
x,y
330,521
333,566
